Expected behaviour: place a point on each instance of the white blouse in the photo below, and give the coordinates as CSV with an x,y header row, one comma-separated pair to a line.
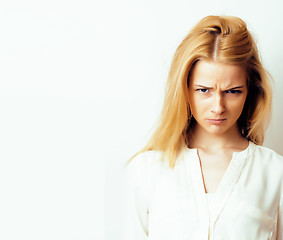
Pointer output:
x,y
171,204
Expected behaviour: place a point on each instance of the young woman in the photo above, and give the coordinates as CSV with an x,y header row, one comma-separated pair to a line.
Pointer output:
x,y
204,173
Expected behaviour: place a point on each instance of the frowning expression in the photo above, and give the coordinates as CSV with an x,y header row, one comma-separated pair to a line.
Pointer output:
x,y
217,94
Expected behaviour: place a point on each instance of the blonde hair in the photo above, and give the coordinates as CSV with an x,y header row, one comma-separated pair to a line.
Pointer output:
x,y
223,39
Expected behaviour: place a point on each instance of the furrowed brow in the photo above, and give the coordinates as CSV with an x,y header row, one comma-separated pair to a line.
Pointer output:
x,y
235,87
201,86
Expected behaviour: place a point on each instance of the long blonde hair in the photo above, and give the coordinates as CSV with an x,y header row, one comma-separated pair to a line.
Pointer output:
x,y
223,39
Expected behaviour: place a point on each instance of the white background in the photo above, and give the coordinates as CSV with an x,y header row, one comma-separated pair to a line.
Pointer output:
x,y
82,84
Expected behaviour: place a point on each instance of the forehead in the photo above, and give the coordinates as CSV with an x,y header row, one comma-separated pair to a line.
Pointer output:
x,y
211,73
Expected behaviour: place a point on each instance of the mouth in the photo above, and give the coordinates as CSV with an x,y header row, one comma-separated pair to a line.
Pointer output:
x,y
217,121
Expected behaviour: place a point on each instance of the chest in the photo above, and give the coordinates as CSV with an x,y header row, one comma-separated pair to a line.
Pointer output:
x,y
178,207
213,168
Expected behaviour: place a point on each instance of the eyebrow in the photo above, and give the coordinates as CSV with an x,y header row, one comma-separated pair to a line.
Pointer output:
x,y
203,86
212,87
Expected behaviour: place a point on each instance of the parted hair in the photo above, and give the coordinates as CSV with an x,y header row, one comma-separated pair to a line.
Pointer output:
x,y
224,39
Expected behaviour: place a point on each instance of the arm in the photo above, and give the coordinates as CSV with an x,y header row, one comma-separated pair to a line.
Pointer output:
x,y
135,210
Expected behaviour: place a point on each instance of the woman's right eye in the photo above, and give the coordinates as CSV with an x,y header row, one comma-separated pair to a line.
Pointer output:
x,y
202,90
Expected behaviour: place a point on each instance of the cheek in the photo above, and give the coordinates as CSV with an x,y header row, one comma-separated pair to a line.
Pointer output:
x,y
198,107
237,107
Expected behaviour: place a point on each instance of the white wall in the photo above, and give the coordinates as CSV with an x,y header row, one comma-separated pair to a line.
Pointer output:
x,y
51,168
82,83
144,35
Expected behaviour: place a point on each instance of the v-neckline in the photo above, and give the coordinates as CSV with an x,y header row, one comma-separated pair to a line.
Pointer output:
x,y
225,186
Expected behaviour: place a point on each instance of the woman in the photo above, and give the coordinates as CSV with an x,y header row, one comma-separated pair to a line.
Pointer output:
x,y
204,173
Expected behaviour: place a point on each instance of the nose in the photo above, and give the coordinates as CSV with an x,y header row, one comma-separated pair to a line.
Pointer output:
x,y
218,105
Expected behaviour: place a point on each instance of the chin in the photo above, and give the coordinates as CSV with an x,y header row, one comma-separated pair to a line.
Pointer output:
x,y
220,130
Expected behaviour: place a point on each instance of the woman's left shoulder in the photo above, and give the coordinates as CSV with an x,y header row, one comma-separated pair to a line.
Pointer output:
x,y
267,154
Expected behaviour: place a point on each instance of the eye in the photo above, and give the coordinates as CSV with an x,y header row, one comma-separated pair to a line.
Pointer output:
x,y
202,90
233,91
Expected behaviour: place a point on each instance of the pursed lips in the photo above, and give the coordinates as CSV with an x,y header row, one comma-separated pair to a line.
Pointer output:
x,y
216,120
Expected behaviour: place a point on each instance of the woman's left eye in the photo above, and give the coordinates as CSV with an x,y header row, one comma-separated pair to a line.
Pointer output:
x,y
233,91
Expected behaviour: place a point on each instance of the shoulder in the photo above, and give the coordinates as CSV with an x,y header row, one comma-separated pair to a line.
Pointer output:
x,y
144,162
146,158
267,154
143,169
267,161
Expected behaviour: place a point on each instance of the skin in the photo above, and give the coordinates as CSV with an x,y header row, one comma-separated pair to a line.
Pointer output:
x,y
217,94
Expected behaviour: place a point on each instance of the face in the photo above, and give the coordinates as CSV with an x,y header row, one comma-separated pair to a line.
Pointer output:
x,y
217,94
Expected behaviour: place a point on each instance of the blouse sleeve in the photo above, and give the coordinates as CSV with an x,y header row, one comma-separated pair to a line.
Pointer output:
x,y
280,221
136,212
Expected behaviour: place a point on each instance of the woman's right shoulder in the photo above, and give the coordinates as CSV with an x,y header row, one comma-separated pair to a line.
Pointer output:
x,y
146,158
143,165
147,162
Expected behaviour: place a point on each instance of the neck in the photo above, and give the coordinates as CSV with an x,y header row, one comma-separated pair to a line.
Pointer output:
x,y
210,142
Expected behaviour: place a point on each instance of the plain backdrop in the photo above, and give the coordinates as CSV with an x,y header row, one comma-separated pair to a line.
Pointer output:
x,y
81,85
51,162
